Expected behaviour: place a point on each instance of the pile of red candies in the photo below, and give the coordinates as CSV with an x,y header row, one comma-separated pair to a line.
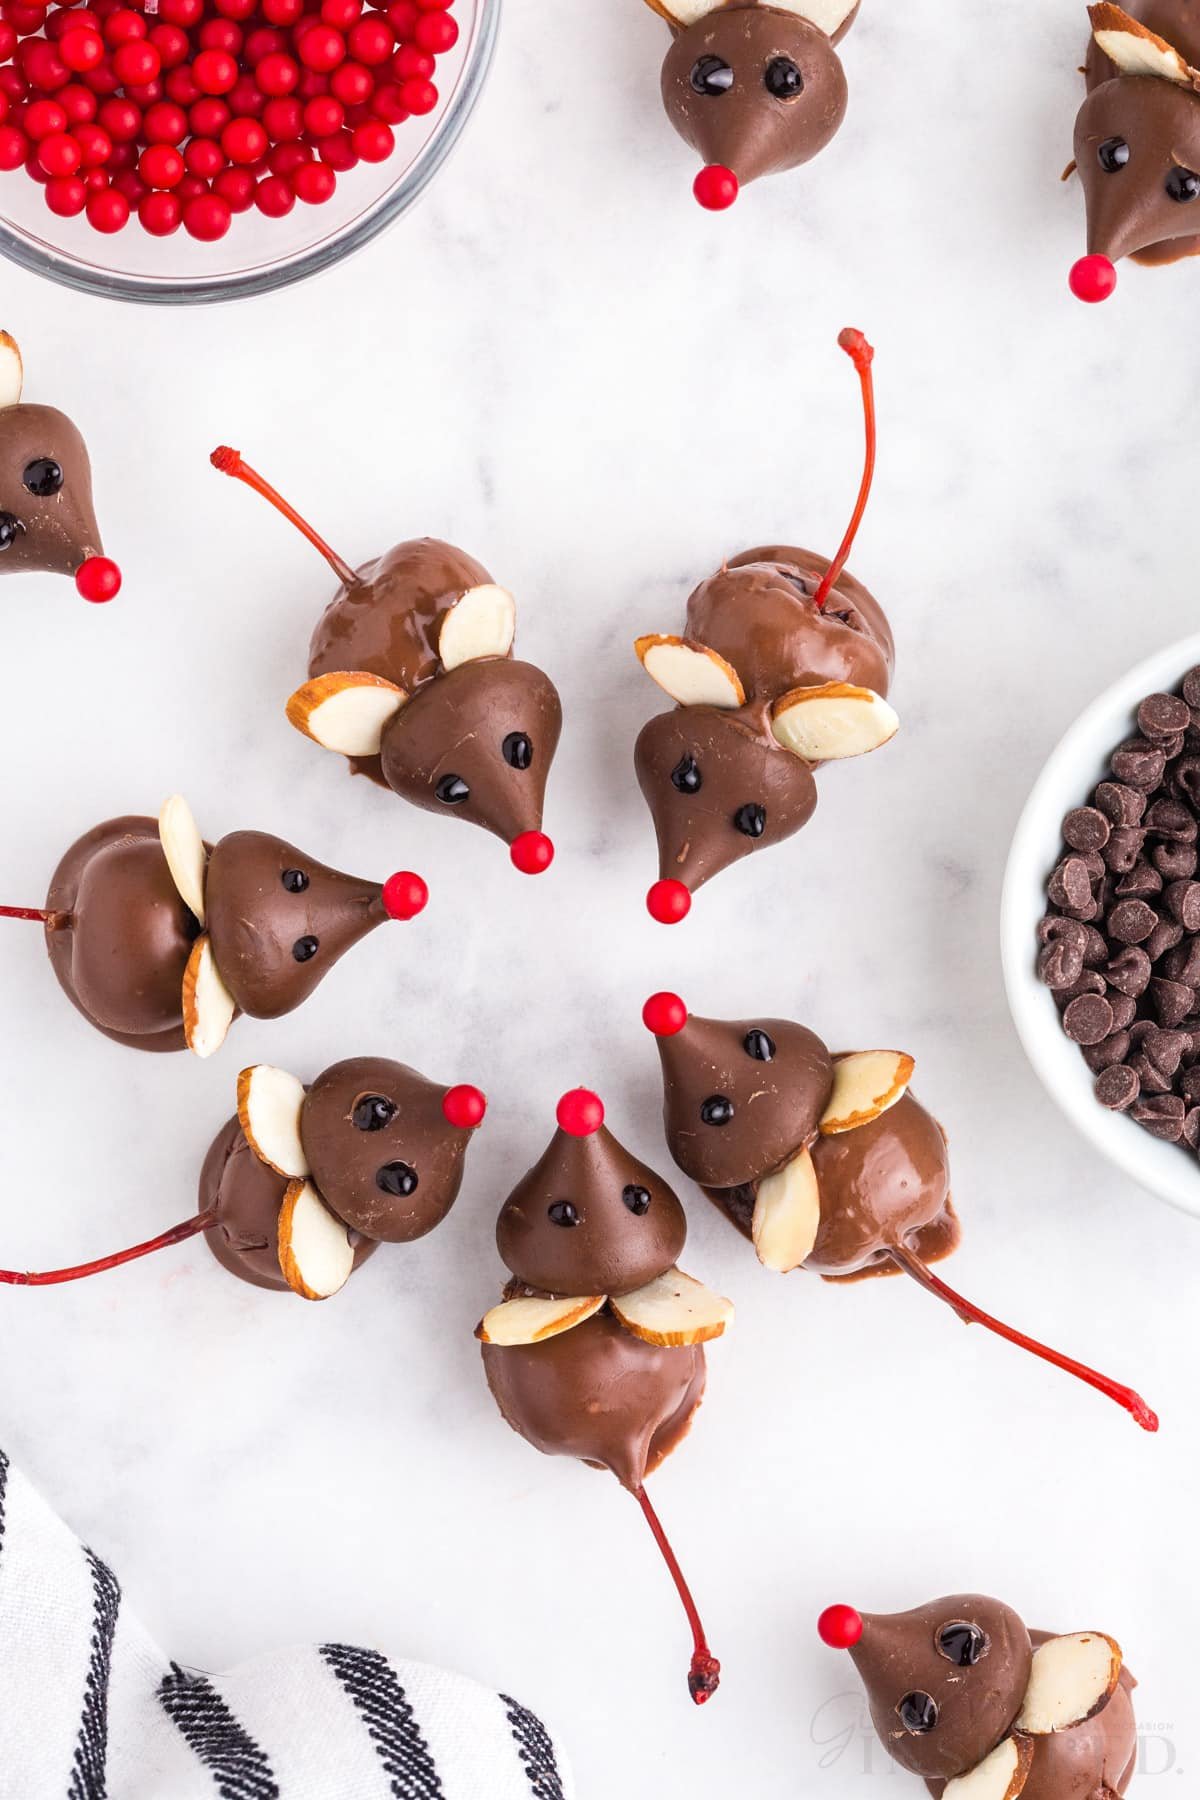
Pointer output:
x,y
193,110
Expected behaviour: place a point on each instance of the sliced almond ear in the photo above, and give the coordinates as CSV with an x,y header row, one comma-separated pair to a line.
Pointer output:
x,y
12,372
482,623
184,850
1134,48
269,1103
208,1005
865,1084
315,1252
346,711
691,674
1072,1678
673,1311
833,721
787,1215
1000,1776
533,1320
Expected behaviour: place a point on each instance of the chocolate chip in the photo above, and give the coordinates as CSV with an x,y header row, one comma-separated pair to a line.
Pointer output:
x,y
1124,1010
1165,1049
1172,1002
1095,944
1175,862
1138,765
1165,936
1189,1086
1086,828
1169,819
1055,929
1059,965
1131,921
1113,1049
1128,971
1185,779
1123,805
1161,1115
1123,848
1191,1127
1163,716
1088,1019
1191,687
1088,981
1117,1088
1152,1080
1142,881
1183,903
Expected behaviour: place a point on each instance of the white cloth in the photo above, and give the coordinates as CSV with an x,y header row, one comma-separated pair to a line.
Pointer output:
x,y
91,1708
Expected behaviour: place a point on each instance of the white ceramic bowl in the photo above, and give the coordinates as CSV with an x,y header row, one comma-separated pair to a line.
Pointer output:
x,y
1071,772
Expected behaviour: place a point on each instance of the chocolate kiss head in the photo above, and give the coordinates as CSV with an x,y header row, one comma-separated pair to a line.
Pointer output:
x,y
944,1682
754,89
740,1098
278,920
46,515
590,1219
718,786
380,1148
477,742
1137,148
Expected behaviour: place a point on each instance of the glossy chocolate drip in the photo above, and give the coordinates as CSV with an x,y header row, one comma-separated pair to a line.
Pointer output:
x,y
55,531
600,1394
882,1184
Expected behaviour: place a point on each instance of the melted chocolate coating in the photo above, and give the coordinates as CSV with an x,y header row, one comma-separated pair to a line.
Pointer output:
x,y
610,1249
55,531
254,922
600,1394
345,1160
1089,1761
121,959
883,1184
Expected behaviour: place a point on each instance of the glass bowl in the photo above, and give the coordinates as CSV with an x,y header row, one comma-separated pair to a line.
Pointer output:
x,y
257,254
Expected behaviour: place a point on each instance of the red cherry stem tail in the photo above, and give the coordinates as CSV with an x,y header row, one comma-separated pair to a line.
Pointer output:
x,y
862,355
55,920
971,1315
704,1675
52,1277
229,462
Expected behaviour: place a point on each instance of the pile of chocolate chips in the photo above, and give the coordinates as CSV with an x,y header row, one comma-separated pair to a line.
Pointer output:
x,y
1121,936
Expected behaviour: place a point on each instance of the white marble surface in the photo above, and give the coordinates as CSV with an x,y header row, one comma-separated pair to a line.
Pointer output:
x,y
561,363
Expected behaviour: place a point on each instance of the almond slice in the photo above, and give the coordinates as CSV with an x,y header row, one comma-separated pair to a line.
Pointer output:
x,y
346,711
269,1103
315,1252
673,1311
787,1215
833,721
1000,1776
532,1320
690,673
865,1084
208,1005
1134,48
827,15
1072,1678
184,850
12,370
482,623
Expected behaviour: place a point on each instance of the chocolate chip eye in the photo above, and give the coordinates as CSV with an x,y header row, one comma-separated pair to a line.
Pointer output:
x,y
637,1199
518,751
305,948
9,527
783,78
686,776
717,1110
373,1112
962,1644
43,476
758,1045
918,1713
563,1213
712,76
397,1179
1113,154
1182,185
452,790
751,820
294,880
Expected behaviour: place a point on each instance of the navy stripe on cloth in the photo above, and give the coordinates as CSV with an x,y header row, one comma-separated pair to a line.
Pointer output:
x,y
384,1708
238,1766
535,1750
3,1490
91,1746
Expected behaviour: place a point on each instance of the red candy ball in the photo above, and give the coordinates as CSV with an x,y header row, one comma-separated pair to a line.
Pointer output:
x,y
161,166
277,74
668,902
160,213
321,48
464,1107
1092,279
715,188
107,211
314,183
372,40
419,97
580,1113
207,217
59,154
244,141
165,123
99,579
532,852
81,50
436,32
664,1014
66,195
840,1627
214,72
374,143
274,197
136,63
404,894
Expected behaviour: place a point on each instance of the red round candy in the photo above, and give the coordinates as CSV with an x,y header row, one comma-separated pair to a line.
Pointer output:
x,y
341,14
283,120
374,143
402,16
160,214
44,67
404,894
14,147
580,1113
136,63
161,166
244,141
79,103
204,158
285,158
372,40
352,84
209,117
214,72
314,183
324,115
338,151
715,187
277,74
282,12
664,1014
124,25
1092,279
840,1627
321,48
95,179
246,98
264,41
419,97
181,86
532,852
172,44
221,34
184,13
207,217
190,186
386,104
95,145
464,1107
24,19
99,579
436,32
59,154
44,118
8,42
130,183
409,63
66,195
236,187
121,119
81,50
274,197
668,902
165,123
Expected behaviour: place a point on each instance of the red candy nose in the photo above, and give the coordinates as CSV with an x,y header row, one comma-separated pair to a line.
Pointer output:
x,y
580,1112
668,902
715,188
1093,278
664,1014
840,1627
532,852
404,895
464,1107
98,579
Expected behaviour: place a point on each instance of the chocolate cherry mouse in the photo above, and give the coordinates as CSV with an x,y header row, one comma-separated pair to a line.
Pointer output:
x,y
785,664
413,680
755,87
304,1183
825,1162
964,1695
160,939
1137,139
47,520
596,1350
